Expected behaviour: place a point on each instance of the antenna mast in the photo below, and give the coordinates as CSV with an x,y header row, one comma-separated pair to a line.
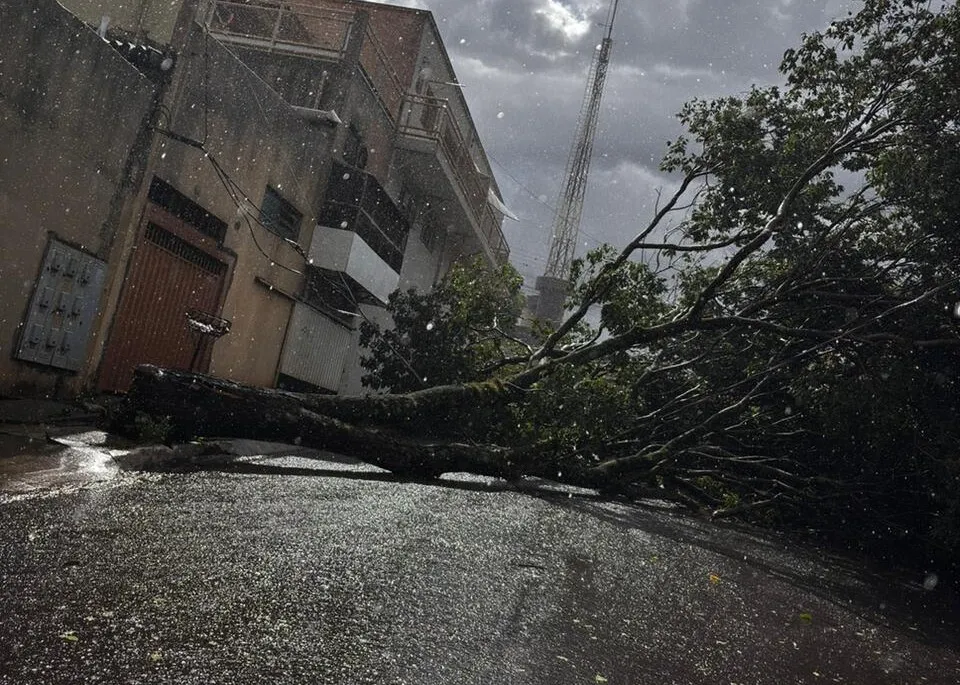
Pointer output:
x,y
555,282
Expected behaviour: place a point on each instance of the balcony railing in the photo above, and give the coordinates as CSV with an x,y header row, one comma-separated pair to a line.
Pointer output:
x,y
291,27
310,30
429,118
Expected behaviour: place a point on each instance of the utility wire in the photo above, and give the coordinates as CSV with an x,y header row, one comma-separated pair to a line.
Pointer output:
x,y
520,183
536,197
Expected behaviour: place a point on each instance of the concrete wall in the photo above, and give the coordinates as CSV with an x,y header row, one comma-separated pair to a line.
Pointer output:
x,y
72,116
258,140
399,31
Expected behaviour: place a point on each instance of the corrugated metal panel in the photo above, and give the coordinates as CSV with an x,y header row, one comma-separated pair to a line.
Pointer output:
x,y
167,277
316,348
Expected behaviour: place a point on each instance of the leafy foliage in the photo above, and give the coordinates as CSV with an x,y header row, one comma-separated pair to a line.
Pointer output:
x,y
456,333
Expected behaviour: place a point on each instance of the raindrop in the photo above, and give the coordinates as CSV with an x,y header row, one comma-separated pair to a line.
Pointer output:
x,y
346,176
430,326
343,224
930,581
463,41
499,115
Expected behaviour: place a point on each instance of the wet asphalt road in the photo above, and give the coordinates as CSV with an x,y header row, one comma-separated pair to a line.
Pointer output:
x,y
288,570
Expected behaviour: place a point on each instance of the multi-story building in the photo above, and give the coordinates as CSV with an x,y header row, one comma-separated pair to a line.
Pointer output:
x,y
287,168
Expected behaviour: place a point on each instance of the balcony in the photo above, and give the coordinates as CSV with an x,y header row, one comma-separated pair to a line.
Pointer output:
x,y
430,137
429,130
307,31
299,29
360,232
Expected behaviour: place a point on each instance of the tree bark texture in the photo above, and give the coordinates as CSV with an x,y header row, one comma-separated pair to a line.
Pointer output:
x,y
422,434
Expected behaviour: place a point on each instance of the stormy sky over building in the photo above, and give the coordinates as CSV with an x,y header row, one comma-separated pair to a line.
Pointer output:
x,y
524,66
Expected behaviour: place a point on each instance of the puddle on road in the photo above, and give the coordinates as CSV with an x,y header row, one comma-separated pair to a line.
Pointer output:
x,y
57,465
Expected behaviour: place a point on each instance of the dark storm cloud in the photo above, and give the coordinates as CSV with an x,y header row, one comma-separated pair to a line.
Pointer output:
x,y
524,64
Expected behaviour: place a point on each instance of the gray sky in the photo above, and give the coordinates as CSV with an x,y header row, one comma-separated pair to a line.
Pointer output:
x,y
528,59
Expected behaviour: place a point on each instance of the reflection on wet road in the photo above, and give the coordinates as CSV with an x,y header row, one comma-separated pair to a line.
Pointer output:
x,y
51,465
289,570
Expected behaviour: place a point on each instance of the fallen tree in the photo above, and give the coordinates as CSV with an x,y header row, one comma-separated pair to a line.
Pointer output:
x,y
785,343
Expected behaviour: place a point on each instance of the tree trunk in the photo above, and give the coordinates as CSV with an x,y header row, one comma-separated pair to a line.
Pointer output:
x,y
422,434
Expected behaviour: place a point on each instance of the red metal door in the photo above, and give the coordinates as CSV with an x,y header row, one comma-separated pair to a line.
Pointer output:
x,y
167,277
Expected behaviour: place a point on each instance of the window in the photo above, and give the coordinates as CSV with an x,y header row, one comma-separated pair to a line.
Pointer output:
x,y
420,212
431,233
354,151
355,201
280,216
328,293
165,195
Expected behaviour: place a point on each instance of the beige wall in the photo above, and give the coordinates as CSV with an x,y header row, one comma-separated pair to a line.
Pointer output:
x,y
70,112
262,320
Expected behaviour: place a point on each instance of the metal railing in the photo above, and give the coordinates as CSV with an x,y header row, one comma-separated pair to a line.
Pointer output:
x,y
289,26
429,118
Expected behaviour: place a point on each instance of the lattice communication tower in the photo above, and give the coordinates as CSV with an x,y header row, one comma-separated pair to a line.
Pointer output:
x,y
554,285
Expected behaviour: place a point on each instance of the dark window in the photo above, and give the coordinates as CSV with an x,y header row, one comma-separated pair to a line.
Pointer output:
x,y
331,293
280,216
285,382
431,233
165,195
354,151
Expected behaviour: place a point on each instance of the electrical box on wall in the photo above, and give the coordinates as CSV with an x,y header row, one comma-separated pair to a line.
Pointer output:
x,y
65,303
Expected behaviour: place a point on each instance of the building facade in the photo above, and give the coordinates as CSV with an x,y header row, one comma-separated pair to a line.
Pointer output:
x,y
271,172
